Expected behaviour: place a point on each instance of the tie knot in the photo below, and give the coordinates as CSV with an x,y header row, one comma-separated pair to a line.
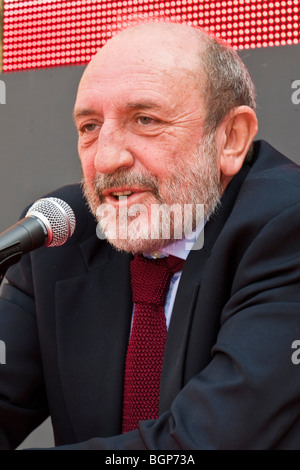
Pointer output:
x,y
150,278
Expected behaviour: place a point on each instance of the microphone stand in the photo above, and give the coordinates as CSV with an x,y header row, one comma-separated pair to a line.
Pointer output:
x,y
10,255
16,241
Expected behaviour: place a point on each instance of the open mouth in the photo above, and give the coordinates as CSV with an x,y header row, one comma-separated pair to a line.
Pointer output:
x,y
124,196
120,195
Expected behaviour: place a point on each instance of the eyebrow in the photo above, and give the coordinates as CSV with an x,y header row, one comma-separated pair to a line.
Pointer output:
x,y
82,112
147,104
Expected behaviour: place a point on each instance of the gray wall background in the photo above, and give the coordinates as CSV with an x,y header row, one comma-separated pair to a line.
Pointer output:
x,y
38,139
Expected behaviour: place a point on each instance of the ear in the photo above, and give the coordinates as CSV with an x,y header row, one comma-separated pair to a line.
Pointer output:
x,y
236,134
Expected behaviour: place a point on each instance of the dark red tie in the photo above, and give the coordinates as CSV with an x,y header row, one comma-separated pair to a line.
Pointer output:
x,y
150,280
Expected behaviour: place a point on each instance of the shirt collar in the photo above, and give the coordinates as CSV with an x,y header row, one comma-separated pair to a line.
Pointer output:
x,y
182,248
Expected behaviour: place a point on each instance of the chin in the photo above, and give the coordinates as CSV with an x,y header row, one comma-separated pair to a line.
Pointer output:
x,y
138,246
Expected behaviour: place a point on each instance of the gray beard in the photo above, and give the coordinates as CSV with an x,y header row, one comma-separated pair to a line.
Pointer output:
x,y
197,184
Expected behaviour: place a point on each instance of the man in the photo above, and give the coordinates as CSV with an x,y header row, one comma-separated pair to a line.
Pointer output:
x,y
165,116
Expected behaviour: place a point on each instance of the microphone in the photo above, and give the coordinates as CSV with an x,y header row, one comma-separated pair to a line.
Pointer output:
x,y
49,222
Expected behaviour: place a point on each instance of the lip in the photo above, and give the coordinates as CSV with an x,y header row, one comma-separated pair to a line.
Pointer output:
x,y
126,201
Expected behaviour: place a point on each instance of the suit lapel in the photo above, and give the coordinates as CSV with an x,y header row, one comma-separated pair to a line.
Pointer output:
x,y
93,314
176,370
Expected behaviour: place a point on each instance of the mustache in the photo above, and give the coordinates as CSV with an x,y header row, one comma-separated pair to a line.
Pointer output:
x,y
125,178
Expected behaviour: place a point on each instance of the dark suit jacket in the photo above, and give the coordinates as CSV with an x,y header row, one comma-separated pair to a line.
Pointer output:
x,y
228,380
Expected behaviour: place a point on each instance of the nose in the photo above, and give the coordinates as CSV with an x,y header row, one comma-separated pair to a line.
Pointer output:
x,y
112,151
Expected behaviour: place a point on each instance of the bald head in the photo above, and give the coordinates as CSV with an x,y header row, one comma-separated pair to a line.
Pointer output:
x,y
215,68
172,44
168,47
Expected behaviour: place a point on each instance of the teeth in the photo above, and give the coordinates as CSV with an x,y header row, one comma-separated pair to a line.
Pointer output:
x,y
122,193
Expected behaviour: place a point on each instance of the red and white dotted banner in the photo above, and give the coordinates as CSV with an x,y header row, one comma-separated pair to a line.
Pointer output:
x,y
44,33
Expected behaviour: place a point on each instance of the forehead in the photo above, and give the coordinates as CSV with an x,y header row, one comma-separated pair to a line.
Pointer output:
x,y
160,45
142,62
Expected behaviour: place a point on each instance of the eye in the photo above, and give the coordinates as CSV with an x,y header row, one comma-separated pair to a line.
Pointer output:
x,y
147,125
145,120
86,128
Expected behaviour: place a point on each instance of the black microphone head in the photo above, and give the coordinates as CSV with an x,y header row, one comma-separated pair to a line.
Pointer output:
x,y
58,218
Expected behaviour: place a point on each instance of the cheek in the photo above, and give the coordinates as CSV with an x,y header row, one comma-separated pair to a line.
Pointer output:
x,y
179,147
157,158
87,163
